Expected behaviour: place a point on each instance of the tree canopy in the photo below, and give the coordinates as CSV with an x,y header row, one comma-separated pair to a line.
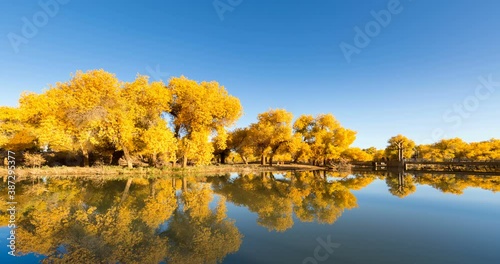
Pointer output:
x,y
94,118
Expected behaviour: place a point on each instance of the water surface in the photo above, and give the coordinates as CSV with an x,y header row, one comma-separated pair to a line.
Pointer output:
x,y
295,217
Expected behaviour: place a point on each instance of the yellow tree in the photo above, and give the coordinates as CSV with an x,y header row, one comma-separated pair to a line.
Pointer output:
x,y
325,135
81,108
379,155
221,146
14,133
159,140
448,149
272,131
484,150
199,110
299,149
356,154
400,147
425,151
95,110
239,141
147,104
42,113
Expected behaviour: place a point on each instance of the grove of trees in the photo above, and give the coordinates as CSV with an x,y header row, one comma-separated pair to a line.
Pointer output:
x,y
444,150
94,118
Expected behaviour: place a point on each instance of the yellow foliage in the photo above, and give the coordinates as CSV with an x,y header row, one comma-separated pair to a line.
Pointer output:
x,y
356,154
400,142
198,111
271,133
325,136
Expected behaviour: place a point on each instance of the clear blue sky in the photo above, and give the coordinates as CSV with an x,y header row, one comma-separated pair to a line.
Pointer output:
x,y
282,54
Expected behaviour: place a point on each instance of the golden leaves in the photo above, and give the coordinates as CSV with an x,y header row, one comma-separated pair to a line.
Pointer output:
x,y
326,138
400,142
272,131
200,110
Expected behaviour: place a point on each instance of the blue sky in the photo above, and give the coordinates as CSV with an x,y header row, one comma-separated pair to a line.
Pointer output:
x,y
281,54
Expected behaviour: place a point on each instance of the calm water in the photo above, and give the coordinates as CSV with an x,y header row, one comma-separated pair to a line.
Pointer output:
x,y
295,217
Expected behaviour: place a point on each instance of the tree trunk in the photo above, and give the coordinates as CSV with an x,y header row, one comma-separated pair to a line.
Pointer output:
x,y
174,160
184,161
223,158
126,154
271,160
153,160
244,159
86,159
262,160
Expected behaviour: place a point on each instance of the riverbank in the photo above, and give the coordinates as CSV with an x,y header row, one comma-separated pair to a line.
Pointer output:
x,y
114,171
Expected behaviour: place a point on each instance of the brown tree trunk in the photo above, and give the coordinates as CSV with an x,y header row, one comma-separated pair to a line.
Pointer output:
x,y
126,154
271,160
223,158
86,162
153,160
184,161
262,160
174,161
244,159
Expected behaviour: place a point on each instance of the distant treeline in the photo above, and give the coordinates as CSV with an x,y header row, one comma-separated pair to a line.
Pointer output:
x,y
94,118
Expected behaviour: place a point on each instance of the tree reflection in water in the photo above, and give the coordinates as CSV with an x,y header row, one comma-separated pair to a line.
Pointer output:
x,y
170,219
312,196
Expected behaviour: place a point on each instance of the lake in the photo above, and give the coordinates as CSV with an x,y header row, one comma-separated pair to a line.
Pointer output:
x,y
292,217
